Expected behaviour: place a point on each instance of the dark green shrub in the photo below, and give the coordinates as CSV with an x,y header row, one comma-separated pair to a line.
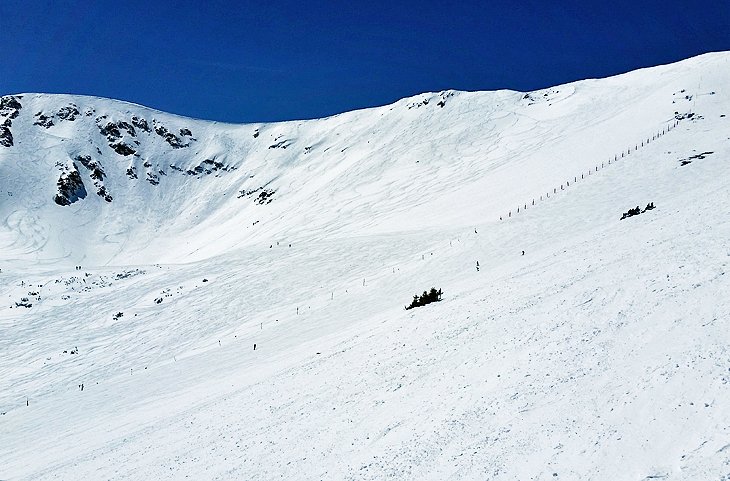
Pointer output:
x,y
426,298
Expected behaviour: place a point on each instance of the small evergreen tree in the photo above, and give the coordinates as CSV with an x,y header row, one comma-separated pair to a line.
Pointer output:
x,y
426,298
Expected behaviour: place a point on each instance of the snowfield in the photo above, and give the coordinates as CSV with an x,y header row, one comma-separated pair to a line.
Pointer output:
x,y
147,277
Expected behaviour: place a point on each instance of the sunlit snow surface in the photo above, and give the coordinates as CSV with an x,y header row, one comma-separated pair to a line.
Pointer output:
x,y
602,353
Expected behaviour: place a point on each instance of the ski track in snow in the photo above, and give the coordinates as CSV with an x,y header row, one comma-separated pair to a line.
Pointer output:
x,y
603,353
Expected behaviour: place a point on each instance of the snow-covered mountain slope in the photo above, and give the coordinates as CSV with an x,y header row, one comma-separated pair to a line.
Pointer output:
x,y
601,353
145,186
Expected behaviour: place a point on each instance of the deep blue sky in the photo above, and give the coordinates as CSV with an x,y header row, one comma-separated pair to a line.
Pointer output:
x,y
278,60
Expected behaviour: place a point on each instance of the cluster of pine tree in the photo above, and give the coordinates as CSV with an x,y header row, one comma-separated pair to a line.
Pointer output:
x,y
426,298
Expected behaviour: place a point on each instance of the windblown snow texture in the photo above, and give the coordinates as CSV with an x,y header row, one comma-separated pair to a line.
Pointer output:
x,y
143,254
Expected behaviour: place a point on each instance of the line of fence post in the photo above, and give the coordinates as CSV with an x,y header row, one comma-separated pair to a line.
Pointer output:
x,y
615,158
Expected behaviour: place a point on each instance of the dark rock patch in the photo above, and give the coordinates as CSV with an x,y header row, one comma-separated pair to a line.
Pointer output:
x,y
102,192
70,112
67,113
265,195
207,167
195,171
141,124
128,127
442,96
84,160
96,172
44,120
533,98
110,131
214,165
113,133
70,187
122,149
280,145
173,140
6,136
132,172
10,107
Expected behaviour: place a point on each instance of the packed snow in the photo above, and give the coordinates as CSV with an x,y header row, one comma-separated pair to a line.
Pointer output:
x,y
143,256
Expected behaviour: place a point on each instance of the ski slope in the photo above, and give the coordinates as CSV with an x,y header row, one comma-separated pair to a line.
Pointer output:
x,y
602,353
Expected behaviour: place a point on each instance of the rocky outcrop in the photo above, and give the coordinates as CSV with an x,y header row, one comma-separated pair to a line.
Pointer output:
x,y
116,131
6,136
44,120
102,192
9,109
282,144
113,133
153,178
141,124
68,113
173,140
96,172
70,187
265,197
126,135
207,167
109,130
113,130
442,97
122,149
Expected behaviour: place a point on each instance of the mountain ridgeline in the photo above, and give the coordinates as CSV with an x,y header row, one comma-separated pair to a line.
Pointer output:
x,y
133,182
